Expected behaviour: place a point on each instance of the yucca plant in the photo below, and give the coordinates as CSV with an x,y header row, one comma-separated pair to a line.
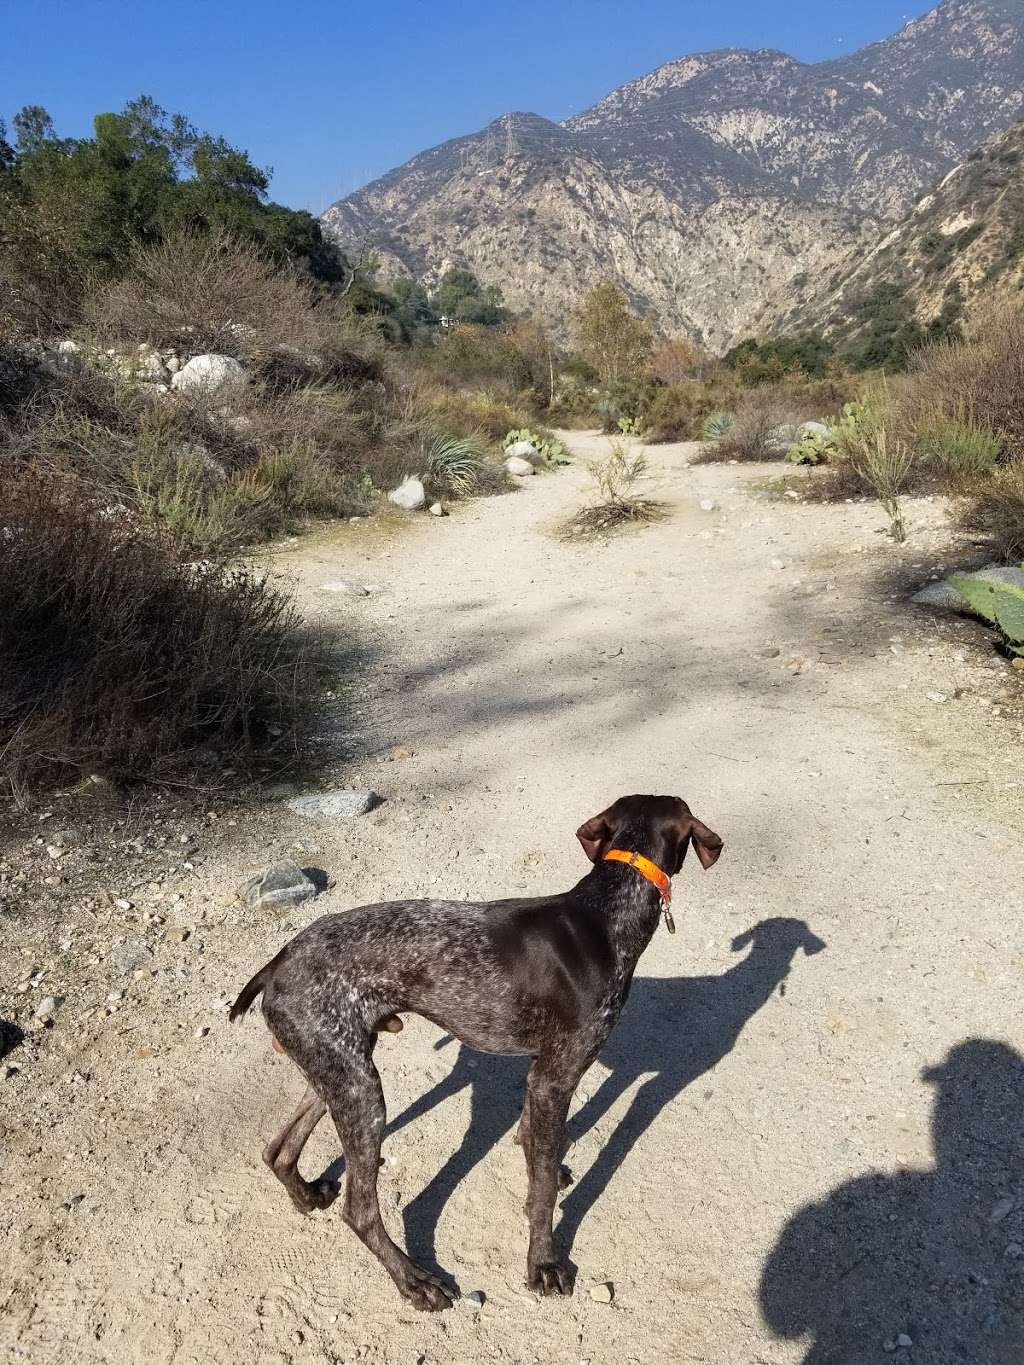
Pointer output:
x,y
453,465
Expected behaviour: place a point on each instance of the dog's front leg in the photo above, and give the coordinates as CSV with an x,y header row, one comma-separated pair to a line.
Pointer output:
x,y
549,1090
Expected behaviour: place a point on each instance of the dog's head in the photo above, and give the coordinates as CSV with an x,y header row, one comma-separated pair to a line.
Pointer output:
x,y
660,827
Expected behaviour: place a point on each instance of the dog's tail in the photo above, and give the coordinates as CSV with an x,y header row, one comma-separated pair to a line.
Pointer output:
x,y
251,990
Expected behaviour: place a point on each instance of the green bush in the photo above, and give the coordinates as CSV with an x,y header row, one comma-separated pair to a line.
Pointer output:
x,y
959,448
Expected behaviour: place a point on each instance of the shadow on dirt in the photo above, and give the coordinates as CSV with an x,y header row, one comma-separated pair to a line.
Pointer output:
x,y
672,1031
919,1264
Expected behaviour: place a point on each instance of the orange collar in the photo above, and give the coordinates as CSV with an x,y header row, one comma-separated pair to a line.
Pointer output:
x,y
646,868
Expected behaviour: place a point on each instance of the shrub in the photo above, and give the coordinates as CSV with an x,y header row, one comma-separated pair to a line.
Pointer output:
x,y
545,443
472,412
980,380
617,505
958,448
764,428
995,508
196,292
117,658
677,412
884,464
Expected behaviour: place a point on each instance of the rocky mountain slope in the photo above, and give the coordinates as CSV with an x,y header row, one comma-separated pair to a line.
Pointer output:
x,y
708,186
965,236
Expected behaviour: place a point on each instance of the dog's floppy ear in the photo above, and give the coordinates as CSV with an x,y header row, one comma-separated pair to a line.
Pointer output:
x,y
706,842
595,836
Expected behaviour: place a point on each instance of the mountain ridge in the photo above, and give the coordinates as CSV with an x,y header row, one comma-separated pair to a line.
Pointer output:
x,y
707,186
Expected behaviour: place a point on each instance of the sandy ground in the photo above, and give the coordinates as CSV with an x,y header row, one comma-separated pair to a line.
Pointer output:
x,y
764,1172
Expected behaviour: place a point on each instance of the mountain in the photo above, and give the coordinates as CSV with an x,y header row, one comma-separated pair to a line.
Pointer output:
x,y
964,236
709,187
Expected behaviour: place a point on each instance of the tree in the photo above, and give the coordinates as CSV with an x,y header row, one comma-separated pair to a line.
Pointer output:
x,y
412,309
674,360
32,127
461,296
610,337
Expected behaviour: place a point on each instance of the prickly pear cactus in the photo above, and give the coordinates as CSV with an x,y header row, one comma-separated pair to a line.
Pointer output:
x,y
1000,603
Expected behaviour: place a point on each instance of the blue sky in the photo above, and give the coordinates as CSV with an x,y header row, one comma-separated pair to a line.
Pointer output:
x,y
331,94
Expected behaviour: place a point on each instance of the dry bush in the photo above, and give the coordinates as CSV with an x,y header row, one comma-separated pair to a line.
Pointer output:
x,y
117,658
617,504
760,414
201,292
473,412
884,464
995,508
979,380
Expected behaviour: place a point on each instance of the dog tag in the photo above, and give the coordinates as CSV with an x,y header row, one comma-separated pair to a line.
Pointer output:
x,y
670,923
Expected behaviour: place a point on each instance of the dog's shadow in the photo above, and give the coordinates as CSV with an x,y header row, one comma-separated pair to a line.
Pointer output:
x,y
672,1031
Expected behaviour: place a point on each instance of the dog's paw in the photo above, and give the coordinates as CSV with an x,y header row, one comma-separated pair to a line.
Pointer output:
x,y
549,1278
424,1291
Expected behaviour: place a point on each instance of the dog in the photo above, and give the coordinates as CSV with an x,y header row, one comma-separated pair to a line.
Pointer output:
x,y
544,978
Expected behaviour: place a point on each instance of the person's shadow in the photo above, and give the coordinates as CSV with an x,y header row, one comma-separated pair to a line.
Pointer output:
x,y
919,1265
671,1032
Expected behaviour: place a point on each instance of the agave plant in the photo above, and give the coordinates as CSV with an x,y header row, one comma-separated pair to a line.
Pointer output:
x,y
453,464
717,424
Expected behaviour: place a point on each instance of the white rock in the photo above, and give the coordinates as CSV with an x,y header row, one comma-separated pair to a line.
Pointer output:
x,y
210,374
410,494
515,465
811,429
438,509
332,804
602,1293
48,1007
343,585
708,505
524,450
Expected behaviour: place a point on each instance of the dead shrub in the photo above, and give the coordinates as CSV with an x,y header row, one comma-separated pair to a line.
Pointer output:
x,y
617,504
118,658
995,509
979,380
207,292
764,427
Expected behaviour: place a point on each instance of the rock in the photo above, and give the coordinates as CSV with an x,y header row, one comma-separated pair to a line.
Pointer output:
x,y
708,505
343,585
778,564
177,935
328,805
946,598
524,450
130,957
474,1298
779,439
438,509
1000,1210
937,697
210,374
409,495
811,429
69,357
904,1341
47,1008
282,886
520,467
602,1293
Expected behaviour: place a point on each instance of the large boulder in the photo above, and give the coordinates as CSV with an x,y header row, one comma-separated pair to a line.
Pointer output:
x,y
811,429
409,495
520,467
209,374
945,597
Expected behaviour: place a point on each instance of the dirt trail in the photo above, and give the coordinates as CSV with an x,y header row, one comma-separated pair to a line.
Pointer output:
x,y
862,923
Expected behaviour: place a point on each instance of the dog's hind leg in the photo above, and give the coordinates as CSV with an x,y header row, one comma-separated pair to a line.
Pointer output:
x,y
282,1154
351,1084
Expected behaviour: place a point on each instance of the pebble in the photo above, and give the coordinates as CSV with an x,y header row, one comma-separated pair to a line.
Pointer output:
x,y
602,1293
177,935
474,1298
1000,1210
904,1341
708,505
201,1032
48,1007
936,697
778,564
438,509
